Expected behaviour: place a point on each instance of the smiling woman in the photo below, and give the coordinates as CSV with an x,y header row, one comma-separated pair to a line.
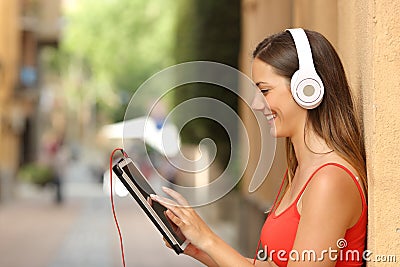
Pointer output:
x,y
304,93
276,90
278,53
325,155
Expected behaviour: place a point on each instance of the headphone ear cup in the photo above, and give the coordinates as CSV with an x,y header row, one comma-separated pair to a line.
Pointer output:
x,y
294,85
307,92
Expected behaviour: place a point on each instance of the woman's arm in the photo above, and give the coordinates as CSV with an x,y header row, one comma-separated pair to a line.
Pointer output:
x,y
204,258
211,249
225,255
331,204
200,255
208,261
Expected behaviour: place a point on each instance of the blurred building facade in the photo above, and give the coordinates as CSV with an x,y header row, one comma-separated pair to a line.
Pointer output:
x,y
25,27
366,35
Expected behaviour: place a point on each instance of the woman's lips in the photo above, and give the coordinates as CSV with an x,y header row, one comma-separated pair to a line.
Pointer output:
x,y
270,117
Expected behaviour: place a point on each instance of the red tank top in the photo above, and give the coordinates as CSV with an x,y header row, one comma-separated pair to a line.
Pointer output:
x,y
279,231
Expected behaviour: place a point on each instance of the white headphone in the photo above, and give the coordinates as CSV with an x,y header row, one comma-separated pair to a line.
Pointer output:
x,y
306,86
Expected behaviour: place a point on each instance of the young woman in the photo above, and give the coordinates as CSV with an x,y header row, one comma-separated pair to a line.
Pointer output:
x,y
321,216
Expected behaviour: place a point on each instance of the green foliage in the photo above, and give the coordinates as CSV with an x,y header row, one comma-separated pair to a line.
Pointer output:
x,y
112,46
208,30
36,173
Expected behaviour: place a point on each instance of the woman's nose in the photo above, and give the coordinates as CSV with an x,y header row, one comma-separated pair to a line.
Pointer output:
x,y
258,102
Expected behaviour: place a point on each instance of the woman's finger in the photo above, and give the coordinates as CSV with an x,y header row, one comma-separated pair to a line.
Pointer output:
x,y
178,197
175,219
173,225
169,204
166,243
163,200
149,201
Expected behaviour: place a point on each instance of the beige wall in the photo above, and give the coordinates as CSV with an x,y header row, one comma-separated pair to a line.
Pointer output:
x,y
318,15
367,36
256,25
49,21
378,61
19,40
9,59
9,43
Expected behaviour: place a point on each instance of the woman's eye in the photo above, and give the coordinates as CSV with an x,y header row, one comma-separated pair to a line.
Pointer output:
x,y
264,91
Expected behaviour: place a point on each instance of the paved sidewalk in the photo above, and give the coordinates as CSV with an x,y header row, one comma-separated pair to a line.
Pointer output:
x,y
35,232
32,231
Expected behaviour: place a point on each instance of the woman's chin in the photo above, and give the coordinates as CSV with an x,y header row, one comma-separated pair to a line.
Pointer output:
x,y
273,132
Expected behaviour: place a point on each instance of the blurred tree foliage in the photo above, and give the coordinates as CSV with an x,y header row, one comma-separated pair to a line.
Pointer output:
x,y
208,30
110,47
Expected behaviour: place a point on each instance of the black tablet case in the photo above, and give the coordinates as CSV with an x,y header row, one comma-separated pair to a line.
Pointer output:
x,y
145,189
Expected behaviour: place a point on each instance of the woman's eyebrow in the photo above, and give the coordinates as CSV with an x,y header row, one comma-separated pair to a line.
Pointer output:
x,y
261,83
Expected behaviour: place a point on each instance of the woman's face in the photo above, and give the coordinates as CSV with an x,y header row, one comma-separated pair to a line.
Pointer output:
x,y
275,101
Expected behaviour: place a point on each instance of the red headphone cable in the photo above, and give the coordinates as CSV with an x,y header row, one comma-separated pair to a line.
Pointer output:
x,y
113,206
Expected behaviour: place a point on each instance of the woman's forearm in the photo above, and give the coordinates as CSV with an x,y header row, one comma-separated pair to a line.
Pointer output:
x,y
262,263
224,255
202,257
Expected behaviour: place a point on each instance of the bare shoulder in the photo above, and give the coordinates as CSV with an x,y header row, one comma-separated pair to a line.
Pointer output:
x,y
334,189
333,180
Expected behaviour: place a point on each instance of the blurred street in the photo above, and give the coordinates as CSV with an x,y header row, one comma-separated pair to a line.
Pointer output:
x,y
35,231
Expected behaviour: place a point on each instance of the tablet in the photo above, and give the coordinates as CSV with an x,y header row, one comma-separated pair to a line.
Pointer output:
x,y
140,189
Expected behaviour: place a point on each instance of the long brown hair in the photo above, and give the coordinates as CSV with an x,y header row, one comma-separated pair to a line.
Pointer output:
x,y
335,118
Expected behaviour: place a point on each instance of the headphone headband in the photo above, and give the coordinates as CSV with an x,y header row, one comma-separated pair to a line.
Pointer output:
x,y
306,86
303,48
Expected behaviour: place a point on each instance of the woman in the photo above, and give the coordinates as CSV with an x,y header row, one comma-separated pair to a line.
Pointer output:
x,y
320,219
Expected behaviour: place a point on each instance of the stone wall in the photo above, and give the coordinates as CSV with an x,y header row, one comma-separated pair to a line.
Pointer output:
x,y
366,35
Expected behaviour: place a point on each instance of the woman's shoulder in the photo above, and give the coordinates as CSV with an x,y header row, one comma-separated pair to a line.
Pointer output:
x,y
333,172
334,187
334,175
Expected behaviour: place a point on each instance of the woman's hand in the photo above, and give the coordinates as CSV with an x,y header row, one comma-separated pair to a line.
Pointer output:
x,y
204,246
186,219
190,249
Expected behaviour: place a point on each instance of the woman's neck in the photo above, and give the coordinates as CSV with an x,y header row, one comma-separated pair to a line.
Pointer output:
x,y
310,149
